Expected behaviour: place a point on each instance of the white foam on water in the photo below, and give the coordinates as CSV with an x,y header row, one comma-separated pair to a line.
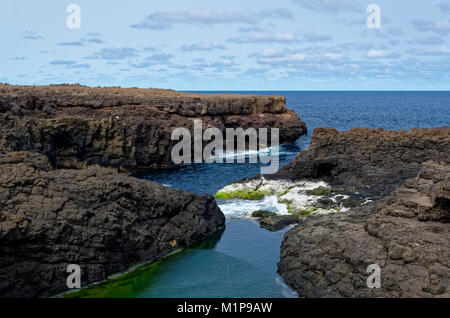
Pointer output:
x,y
299,199
251,153
285,289
248,186
274,186
296,197
237,208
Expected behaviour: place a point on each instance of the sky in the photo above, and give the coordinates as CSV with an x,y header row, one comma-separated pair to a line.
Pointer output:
x,y
228,45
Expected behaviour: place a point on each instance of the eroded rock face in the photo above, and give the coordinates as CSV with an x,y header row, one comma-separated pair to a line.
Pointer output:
x,y
95,217
373,161
407,234
131,128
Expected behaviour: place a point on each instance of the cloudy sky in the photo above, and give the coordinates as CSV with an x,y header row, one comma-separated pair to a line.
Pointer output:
x,y
228,45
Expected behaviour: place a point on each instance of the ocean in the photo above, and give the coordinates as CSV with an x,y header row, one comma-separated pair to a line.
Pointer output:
x,y
242,261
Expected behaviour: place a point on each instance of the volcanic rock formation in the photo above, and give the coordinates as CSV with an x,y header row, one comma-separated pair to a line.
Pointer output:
x,y
372,161
76,126
96,218
407,234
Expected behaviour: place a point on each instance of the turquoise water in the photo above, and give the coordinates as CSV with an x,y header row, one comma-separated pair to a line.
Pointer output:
x,y
242,262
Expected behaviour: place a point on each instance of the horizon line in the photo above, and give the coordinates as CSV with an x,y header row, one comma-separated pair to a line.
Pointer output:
x,y
241,90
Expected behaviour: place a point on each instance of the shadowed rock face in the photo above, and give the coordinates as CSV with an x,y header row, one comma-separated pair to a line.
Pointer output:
x,y
407,234
373,161
95,217
131,128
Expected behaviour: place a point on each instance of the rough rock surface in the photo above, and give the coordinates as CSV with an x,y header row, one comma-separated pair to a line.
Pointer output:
x,y
274,222
407,234
95,217
373,161
77,126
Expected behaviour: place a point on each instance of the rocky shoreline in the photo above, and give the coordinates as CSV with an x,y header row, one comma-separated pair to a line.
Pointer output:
x,y
76,126
407,234
406,231
343,170
361,197
60,201
370,161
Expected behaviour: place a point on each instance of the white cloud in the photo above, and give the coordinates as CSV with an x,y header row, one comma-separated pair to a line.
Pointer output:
x,y
315,37
91,38
202,47
30,35
395,31
268,53
288,59
275,56
69,64
167,19
331,5
445,7
377,53
430,40
222,64
114,53
265,37
437,51
71,43
441,27
333,56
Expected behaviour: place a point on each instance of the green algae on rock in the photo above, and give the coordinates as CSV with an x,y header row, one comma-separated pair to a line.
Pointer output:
x,y
275,222
241,194
300,199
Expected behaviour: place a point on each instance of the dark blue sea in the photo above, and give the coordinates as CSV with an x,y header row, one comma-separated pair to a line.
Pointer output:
x,y
242,262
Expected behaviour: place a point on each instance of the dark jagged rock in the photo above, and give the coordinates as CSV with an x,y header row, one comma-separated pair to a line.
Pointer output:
x,y
373,161
407,234
274,222
95,217
77,126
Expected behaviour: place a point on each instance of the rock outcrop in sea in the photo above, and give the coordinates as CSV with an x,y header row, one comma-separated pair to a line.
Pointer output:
x,y
372,161
97,218
407,234
406,231
76,126
339,171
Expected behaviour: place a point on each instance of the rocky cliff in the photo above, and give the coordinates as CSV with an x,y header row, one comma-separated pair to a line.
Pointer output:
x,y
407,234
95,217
372,161
76,126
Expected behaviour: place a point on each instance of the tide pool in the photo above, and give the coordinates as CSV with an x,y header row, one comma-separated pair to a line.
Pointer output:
x,y
240,262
